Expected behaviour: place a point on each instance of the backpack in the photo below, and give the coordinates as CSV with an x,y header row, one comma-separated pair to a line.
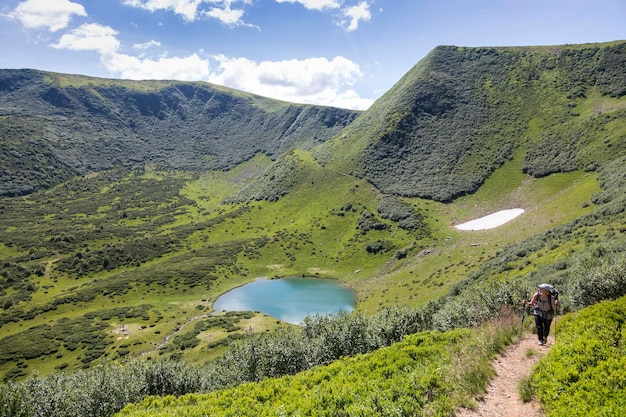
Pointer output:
x,y
552,293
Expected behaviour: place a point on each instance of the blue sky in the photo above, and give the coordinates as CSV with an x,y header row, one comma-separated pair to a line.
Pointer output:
x,y
343,53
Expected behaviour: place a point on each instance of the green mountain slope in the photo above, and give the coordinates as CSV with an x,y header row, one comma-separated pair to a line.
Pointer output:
x,y
55,126
129,207
460,113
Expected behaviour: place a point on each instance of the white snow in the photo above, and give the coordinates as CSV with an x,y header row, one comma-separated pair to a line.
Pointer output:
x,y
492,220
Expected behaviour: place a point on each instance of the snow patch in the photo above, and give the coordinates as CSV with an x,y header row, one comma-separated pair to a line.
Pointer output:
x,y
492,220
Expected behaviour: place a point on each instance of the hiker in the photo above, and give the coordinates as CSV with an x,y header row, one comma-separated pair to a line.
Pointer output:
x,y
544,304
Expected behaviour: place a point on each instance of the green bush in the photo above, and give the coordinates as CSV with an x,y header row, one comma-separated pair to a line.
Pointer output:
x,y
584,373
600,277
420,375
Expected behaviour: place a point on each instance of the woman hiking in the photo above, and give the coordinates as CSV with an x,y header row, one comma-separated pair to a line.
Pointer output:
x,y
544,306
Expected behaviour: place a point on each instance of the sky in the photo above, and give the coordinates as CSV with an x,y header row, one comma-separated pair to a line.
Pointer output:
x,y
341,53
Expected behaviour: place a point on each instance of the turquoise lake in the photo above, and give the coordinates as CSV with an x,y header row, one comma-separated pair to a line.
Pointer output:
x,y
289,299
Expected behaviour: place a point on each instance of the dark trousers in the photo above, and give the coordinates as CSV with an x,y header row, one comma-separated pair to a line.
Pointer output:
x,y
543,327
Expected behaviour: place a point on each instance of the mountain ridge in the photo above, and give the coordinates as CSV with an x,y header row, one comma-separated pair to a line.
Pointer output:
x,y
76,125
461,112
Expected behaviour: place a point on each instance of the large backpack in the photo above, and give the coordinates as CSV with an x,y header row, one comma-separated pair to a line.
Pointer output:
x,y
552,293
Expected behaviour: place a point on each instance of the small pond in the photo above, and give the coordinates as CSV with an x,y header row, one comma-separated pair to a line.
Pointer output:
x,y
289,299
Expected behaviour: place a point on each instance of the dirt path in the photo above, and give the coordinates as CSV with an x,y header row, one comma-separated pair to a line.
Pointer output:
x,y
502,398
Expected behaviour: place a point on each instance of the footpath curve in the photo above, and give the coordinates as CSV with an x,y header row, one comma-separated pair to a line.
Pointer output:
x,y
502,397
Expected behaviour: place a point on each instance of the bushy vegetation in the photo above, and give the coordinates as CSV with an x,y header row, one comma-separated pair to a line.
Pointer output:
x,y
427,372
461,113
584,373
321,341
390,207
156,247
412,377
100,391
179,125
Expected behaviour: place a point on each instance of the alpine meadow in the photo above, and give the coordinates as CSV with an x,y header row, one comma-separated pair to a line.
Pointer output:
x,y
128,207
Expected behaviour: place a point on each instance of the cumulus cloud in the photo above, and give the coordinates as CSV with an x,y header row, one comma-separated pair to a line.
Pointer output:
x,y
186,8
52,15
189,68
314,4
355,14
348,16
226,15
225,12
190,10
147,45
312,80
102,39
90,37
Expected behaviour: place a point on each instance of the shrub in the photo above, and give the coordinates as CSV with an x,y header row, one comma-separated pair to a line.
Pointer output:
x,y
368,221
585,371
599,278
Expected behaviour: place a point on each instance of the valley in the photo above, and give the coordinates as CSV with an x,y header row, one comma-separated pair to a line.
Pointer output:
x,y
127,208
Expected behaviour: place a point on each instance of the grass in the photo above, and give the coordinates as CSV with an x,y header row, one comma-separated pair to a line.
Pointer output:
x,y
306,232
166,238
427,373
525,390
548,201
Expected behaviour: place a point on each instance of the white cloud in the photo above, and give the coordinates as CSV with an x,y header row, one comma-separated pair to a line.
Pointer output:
x,y
147,45
350,15
53,15
314,4
186,8
90,37
356,14
189,68
226,15
190,10
102,39
312,80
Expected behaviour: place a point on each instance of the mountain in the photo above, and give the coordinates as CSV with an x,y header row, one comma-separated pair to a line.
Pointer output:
x,y
460,113
56,126
128,207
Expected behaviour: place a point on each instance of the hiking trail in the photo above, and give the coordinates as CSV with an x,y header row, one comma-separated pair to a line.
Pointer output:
x,y
502,398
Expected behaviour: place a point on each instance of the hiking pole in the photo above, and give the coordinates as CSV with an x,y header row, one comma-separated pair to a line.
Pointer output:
x,y
556,319
521,327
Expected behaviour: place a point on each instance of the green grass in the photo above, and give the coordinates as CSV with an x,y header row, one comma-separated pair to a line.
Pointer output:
x,y
427,373
310,231
584,372
306,232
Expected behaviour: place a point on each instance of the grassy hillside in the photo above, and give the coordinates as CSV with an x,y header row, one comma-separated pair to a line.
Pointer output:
x,y
426,374
125,218
585,373
461,113
156,249
54,126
